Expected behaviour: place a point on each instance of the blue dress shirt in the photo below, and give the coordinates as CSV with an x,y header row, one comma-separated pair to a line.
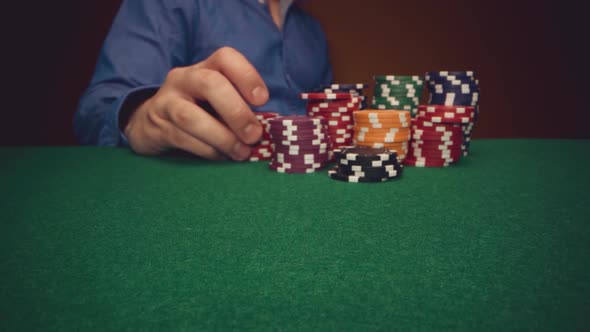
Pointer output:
x,y
150,37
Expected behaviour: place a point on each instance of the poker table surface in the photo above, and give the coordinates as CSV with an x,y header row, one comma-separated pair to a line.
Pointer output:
x,y
98,238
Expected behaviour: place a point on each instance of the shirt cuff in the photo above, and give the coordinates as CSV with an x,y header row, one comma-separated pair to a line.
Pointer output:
x,y
126,105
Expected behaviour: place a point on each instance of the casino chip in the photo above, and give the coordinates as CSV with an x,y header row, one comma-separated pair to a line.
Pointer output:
x,y
394,92
438,133
456,88
357,90
263,149
383,129
364,164
335,105
300,144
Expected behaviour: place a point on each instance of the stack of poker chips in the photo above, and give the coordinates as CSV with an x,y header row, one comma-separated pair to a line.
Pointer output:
x,y
397,92
455,88
364,164
300,144
263,149
437,135
356,89
336,109
383,129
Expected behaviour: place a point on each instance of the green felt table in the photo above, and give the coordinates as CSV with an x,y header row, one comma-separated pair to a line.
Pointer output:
x,y
102,239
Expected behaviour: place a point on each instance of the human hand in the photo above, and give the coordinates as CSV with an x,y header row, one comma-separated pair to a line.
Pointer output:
x,y
172,118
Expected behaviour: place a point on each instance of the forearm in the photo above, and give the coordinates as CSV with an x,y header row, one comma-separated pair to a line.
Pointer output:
x,y
104,110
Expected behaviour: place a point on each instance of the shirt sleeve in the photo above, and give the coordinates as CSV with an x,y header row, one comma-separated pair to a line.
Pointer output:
x,y
146,40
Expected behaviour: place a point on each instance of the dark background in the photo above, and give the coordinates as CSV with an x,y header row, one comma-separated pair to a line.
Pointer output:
x,y
528,55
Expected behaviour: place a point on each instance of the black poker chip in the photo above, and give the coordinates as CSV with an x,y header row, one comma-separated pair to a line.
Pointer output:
x,y
336,174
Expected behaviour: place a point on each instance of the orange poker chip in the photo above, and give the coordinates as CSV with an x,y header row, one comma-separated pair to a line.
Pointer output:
x,y
382,138
382,124
382,131
398,145
382,113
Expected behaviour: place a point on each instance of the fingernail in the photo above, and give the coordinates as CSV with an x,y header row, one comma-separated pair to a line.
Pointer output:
x,y
259,93
241,151
248,129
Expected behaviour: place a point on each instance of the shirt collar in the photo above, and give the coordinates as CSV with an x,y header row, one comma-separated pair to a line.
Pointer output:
x,y
283,4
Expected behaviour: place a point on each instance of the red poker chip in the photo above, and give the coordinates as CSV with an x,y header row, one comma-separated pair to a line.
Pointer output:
x,y
436,157
438,130
446,115
303,144
434,154
430,145
443,156
418,138
266,115
333,109
324,144
441,138
409,161
301,150
323,107
336,120
422,121
326,96
291,120
297,130
298,147
294,170
331,115
441,119
340,122
336,131
265,150
336,102
297,127
294,162
460,110
437,135
341,138
300,160
434,160
301,139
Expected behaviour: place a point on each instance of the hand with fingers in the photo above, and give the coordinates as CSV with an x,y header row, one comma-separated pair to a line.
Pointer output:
x,y
172,118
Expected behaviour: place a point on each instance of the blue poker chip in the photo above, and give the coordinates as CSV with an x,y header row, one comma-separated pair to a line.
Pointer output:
x,y
463,89
345,87
469,74
456,100
452,81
